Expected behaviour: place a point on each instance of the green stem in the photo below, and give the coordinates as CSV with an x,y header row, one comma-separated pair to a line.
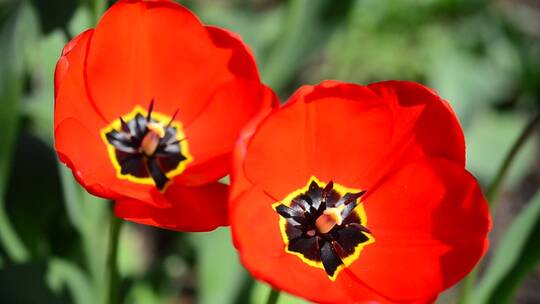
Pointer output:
x,y
493,188
273,296
492,192
112,260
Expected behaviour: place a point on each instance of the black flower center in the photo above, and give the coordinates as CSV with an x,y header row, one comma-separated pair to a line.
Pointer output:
x,y
145,148
324,226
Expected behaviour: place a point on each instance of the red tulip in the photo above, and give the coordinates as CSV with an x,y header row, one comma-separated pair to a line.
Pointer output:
x,y
352,194
148,106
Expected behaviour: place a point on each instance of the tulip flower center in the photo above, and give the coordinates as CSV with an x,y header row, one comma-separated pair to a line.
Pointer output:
x,y
324,225
151,140
329,219
147,147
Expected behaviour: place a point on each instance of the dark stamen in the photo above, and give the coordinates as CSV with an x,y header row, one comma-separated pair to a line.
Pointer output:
x,y
353,197
150,109
153,157
160,179
124,125
172,118
322,226
327,190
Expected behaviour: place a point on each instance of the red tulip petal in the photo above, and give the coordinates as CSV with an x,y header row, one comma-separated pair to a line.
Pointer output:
x,y
332,132
239,182
70,95
63,65
242,62
351,134
213,133
159,50
74,116
202,208
78,157
77,127
256,234
429,221
424,123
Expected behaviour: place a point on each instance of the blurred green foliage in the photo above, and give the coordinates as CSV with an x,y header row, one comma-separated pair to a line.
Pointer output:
x,y
483,56
512,257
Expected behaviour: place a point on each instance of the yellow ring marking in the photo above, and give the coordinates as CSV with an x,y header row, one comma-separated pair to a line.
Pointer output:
x,y
359,210
180,135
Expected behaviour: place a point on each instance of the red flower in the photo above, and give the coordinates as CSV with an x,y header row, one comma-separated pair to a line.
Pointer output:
x,y
355,193
148,106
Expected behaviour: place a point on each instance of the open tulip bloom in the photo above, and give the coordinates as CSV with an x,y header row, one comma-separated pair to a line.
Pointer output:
x,y
352,194
148,106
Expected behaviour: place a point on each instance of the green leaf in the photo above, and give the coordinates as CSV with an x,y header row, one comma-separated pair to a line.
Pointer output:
x,y
489,138
516,255
468,80
39,203
63,274
129,264
39,104
220,276
88,214
299,34
81,21
259,30
18,33
72,194
143,293
528,262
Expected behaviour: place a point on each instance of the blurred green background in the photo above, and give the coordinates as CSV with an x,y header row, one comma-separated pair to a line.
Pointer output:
x,y
483,56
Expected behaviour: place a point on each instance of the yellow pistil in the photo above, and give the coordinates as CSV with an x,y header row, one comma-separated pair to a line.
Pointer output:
x,y
151,140
330,217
